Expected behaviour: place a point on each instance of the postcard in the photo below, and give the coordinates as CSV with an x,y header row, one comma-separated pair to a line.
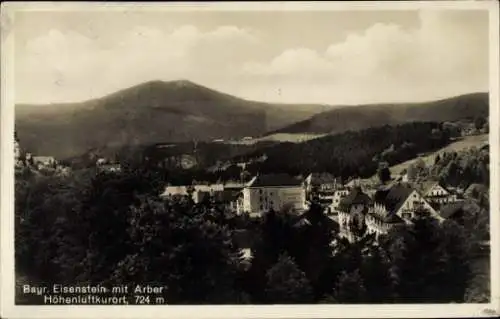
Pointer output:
x,y
250,160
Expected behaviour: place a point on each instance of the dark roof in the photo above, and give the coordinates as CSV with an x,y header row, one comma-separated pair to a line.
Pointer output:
x,y
356,196
426,186
451,209
275,180
394,197
324,178
390,218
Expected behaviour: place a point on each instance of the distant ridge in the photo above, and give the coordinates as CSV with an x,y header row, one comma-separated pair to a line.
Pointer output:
x,y
150,112
341,119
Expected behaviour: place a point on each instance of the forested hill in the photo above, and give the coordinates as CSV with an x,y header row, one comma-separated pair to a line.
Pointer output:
x,y
360,117
152,112
353,153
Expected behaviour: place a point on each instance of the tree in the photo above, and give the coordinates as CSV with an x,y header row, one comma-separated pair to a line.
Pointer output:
x,y
275,235
479,122
45,205
350,288
376,276
287,284
412,172
384,174
437,159
429,261
176,244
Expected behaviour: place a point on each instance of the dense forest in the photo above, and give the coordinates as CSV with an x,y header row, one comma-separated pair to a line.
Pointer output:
x,y
353,153
111,228
349,154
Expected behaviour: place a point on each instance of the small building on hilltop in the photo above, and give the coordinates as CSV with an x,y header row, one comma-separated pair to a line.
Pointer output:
x,y
42,162
273,192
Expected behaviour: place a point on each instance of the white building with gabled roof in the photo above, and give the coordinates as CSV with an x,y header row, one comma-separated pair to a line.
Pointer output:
x,y
273,192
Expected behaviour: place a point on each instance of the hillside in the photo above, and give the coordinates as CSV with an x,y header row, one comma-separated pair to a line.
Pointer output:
x,y
151,112
459,145
360,117
281,138
351,153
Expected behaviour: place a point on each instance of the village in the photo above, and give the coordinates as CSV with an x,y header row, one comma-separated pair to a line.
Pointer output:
x,y
382,206
377,205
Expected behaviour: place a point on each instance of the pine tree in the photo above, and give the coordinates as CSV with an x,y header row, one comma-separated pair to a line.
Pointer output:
x,y
287,284
350,288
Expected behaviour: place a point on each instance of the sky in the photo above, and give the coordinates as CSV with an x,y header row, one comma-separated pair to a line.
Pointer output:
x,y
329,57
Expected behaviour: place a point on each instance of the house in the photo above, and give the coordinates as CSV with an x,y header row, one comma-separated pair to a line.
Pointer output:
x,y
44,162
101,161
353,183
17,149
235,203
403,201
382,215
332,200
110,167
273,192
352,208
198,192
231,199
437,194
322,182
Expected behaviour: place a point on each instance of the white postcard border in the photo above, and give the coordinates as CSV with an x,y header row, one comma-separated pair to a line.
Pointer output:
x,y
9,310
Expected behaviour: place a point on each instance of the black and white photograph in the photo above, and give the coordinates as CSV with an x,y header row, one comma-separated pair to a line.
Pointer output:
x,y
233,154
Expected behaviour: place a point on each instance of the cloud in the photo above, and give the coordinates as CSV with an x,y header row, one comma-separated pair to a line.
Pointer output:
x,y
444,55
60,63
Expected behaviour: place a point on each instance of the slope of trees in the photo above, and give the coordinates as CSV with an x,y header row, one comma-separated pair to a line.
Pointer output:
x,y
463,168
354,153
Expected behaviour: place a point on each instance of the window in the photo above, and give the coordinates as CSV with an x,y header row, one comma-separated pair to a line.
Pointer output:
x,y
261,207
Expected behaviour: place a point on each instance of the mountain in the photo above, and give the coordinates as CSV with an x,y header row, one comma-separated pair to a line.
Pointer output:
x,y
151,112
344,118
